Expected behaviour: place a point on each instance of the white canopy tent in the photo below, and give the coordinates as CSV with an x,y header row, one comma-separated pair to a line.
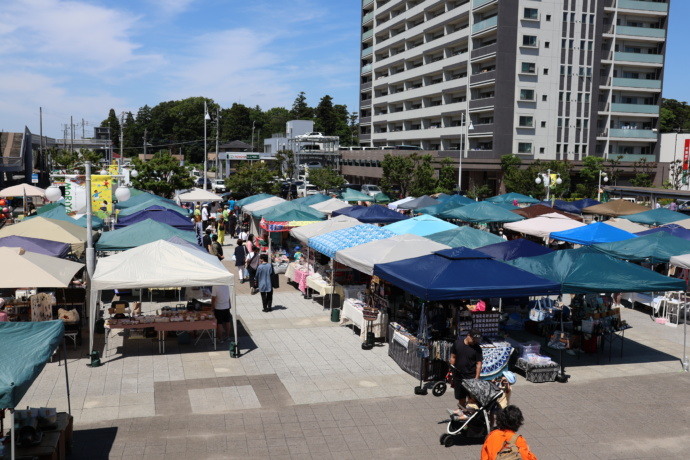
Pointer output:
x,y
544,225
22,268
197,194
625,224
160,264
394,205
262,204
363,257
683,261
328,206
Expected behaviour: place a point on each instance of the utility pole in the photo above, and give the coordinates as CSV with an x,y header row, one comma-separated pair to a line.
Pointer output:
x,y
217,133
122,132
40,117
145,131
83,134
71,134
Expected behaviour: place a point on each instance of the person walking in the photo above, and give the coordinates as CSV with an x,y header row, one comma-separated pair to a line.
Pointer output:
x,y
221,230
204,215
263,276
252,263
240,258
504,437
232,224
220,302
216,247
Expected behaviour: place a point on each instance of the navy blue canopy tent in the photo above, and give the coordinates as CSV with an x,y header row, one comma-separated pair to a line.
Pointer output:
x,y
513,249
371,214
598,232
462,273
671,229
159,214
37,245
574,207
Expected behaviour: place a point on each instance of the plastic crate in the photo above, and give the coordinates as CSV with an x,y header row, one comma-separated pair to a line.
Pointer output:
x,y
538,373
530,348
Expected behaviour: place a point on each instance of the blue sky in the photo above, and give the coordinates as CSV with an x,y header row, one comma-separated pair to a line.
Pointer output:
x,y
83,57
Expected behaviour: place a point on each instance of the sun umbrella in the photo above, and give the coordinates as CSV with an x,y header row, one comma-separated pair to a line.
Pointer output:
x,y
22,190
28,269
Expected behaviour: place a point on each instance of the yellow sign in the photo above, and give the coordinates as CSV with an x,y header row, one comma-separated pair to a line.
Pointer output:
x,y
113,169
554,177
101,194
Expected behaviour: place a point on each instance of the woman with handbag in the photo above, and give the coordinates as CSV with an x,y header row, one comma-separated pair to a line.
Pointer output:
x,y
240,259
263,275
252,262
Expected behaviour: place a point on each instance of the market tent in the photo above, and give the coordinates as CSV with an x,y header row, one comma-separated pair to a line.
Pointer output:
x,y
251,208
37,245
438,209
462,273
29,269
160,264
421,202
466,237
371,214
50,229
140,234
162,215
60,213
507,206
382,198
26,348
47,207
182,242
332,242
509,250
252,199
143,198
394,205
598,232
685,223
682,261
21,190
354,195
655,248
421,225
584,271
625,224
311,199
511,197
319,228
659,216
198,194
363,257
540,209
327,207
283,220
285,207
153,206
671,229
574,207
615,208
481,212
544,225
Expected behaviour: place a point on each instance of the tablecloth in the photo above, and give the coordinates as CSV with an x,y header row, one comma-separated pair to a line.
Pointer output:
x,y
300,277
323,287
352,314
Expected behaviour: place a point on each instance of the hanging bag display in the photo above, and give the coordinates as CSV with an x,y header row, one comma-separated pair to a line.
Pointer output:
x,y
537,313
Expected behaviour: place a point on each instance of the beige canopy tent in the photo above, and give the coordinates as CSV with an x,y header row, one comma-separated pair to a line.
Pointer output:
x,y
328,206
544,225
20,268
22,190
625,224
615,208
50,229
198,194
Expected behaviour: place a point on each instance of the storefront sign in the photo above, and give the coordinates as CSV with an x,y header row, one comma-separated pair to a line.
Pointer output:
x,y
238,156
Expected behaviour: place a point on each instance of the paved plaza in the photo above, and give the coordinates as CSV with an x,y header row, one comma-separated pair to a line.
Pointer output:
x,y
303,388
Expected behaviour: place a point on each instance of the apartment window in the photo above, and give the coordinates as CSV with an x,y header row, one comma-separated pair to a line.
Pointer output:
x,y
546,71
544,97
567,96
547,44
560,96
577,148
531,13
578,123
558,148
584,19
562,70
570,70
586,98
548,17
526,94
543,124
560,122
579,97
526,122
524,147
541,149
563,43
584,149
567,122
529,40
585,123
529,67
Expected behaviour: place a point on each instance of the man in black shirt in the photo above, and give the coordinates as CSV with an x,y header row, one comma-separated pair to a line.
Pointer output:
x,y
466,357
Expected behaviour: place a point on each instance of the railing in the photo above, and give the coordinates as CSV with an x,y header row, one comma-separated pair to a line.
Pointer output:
x,y
637,83
633,133
638,31
640,5
367,17
367,35
366,69
482,77
635,108
484,50
639,57
478,3
367,51
366,2
482,129
485,102
486,24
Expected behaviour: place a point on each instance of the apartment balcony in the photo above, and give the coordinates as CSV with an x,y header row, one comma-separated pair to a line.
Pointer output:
x,y
629,134
633,158
482,77
365,86
484,51
367,17
367,51
639,32
364,120
637,83
366,69
482,103
485,25
478,3
367,2
646,109
486,128
643,6
639,58
367,35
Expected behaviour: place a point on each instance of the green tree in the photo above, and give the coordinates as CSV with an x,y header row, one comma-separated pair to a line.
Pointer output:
x,y
300,109
285,159
423,180
325,178
236,123
130,135
397,171
62,159
114,123
326,116
514,177
275,121
644,173
675,182
674,114
161,175
480,192
447,177
91,156
251,179
588,182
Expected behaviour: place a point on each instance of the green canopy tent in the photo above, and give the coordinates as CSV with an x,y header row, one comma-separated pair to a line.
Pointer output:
x,y
287,206
382,198
465,236
312,199
481,212
579,271
252,199
511,197
660,216
60,213
139,234
655,248
50,206
350,195
455,201
147,204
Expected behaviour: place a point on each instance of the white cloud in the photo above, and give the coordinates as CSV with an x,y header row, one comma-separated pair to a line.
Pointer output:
x,y
171,7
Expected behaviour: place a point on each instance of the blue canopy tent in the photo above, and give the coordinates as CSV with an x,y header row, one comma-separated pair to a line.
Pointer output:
x,y
467,237
421,226
153,205
482,212
513,249
659,216
598,232
329,243
574,207
584,271
462,273
162,215
60,213
655,248
371,214
671,229
511,197
37,245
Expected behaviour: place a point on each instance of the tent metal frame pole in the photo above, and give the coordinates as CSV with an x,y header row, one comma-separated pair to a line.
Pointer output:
x,y
64,355
12,452
686,364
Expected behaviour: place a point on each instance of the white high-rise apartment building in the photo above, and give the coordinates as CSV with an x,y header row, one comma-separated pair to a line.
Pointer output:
x,y
543,79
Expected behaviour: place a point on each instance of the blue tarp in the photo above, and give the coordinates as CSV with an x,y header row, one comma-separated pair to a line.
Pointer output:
x,y
671,229
26,348
598,232
60,213
371,214
37,245
162,215
329,243
659,216
462,273
584,271
655,248
511,197
513,249
482,212
421,226
574,207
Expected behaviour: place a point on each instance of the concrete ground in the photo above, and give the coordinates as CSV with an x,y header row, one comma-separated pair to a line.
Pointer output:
x,y
303,388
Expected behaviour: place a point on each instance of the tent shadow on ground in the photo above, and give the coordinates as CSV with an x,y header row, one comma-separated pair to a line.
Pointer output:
x,y
93,443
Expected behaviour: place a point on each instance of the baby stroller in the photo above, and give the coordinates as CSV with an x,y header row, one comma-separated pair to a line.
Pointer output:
x,y
477,425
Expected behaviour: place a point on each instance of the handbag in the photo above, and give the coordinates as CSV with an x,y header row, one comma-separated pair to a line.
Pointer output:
x,y
537,313
275,280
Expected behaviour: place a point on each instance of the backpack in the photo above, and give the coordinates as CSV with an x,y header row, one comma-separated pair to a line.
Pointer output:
x,y
509,451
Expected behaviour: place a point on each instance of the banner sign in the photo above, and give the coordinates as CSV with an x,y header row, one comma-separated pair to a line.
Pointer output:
x,y
686,154
101,193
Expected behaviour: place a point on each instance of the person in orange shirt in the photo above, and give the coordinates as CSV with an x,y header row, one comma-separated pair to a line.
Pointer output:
x,y
508,422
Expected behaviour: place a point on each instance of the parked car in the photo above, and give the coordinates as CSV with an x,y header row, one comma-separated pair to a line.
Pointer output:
x,y
219,186
200,183
306,189
370,189
309,135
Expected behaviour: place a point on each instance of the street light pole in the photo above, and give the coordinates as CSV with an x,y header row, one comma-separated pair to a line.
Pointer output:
x,y
547,181
206,118
463,149
606,179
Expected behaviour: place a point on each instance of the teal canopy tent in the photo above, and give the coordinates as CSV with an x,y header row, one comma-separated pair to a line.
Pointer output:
x,y
252,199
350,195
312,199
382,198
511,197
286,207
421,226
139,234
60,213
465,237
481,212
142,198
659,216
151,204
655,248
